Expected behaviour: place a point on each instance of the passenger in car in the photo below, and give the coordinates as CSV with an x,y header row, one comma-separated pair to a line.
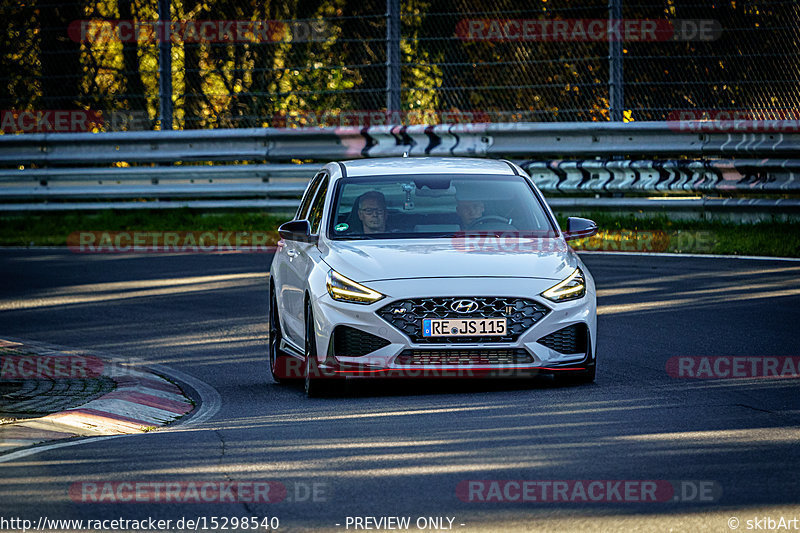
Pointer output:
x,y
469,211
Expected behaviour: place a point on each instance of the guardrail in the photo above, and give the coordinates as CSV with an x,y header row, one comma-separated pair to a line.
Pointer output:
x,y
520,140
65,179
741,206
279,186
710,176
155,182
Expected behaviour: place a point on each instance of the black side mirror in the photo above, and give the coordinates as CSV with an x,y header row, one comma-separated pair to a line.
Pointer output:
x,y
579,228
296,230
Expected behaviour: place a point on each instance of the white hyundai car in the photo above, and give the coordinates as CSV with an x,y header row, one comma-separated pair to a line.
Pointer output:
x,y
428,267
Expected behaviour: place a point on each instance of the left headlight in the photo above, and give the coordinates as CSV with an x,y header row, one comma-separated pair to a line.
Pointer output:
x,y
343,289
572,288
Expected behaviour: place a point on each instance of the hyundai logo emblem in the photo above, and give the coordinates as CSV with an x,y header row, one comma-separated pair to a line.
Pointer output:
x,y
464,306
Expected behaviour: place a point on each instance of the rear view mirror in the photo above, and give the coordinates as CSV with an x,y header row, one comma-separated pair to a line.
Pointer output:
x,y
579,228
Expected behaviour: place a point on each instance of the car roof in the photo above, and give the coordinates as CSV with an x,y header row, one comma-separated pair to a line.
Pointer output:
x,y
391,166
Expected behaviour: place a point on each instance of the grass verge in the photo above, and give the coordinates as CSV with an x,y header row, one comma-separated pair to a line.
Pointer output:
x,y
776,239
662,234
52,229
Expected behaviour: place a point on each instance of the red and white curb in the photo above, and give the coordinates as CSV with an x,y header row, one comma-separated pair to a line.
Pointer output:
x,y
142,401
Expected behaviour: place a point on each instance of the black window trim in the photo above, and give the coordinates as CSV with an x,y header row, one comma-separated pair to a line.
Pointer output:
x,y
313,187
554,227
325,180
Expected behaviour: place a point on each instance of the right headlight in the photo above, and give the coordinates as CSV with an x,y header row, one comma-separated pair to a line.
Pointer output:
x,y
346,290
571,288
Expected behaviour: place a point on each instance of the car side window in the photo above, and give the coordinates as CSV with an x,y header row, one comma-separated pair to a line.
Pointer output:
x,y
302,211
315,214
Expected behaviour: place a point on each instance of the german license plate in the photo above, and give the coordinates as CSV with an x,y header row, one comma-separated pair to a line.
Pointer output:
x,y
463,327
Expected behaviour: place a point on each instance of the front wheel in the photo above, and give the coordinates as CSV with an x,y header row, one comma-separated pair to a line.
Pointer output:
x,y
581,377
578,377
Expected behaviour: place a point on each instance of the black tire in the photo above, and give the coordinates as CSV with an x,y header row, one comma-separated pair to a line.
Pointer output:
x,y
577,377
279,361
316,385
581,377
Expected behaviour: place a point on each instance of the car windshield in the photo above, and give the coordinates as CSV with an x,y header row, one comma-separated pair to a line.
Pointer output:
x,y
428,206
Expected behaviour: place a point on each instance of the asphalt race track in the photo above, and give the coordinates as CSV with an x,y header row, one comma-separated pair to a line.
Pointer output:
x,y
401,449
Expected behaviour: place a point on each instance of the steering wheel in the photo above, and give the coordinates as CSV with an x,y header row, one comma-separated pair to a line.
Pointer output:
x,y
487,219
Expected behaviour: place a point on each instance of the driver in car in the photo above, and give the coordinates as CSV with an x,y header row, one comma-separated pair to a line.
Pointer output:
x,y
372,212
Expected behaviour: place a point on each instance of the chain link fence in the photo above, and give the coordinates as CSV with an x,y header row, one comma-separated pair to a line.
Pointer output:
x,y
77,65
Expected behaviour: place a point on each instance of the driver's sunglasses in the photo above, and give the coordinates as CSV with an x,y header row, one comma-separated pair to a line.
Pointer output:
x,y
373,211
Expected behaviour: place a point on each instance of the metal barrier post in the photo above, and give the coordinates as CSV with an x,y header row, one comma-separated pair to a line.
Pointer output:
x,y
392,56
165,65
616,94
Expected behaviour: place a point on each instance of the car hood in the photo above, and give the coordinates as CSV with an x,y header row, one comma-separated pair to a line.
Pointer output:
x,y
380,260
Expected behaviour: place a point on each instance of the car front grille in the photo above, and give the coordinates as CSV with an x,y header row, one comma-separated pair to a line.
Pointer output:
x,y
514,356
571,339
407,316
352,342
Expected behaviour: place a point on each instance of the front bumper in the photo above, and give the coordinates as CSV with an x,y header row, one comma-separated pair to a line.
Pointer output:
x,y
387,361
